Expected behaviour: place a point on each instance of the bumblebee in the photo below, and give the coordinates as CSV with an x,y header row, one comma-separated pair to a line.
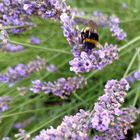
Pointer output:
x,y
89,36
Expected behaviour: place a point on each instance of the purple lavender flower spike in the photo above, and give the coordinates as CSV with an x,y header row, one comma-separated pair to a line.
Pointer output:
x,y
4,103
115,29
137,137
137,75
35,40
7,2
101,18
4,78
13,48
51,68
72,128
18,126
130,79
123,123
62,87
95,60
60,11
12,14
29,8
3,37
109,104
77,127
85,59
37,86
21,71
107,117
22,135
118,129
23,124
133,77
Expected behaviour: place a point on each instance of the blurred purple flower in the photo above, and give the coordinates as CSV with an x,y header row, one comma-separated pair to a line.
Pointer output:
x,y
130,79
4,103
37,86
13,48
22,135
7,2
35,40
25,123
137,137
51,68
133,77
137,75
115,29
3,37
22,90
6,138
101,18
21,71
4,78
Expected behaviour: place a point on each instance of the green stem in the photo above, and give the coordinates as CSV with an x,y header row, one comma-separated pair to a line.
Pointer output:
x,y
79,98
139,59
14,27
24,112
53,119
137,93
129,43
130,64
136,97
90,75
43,48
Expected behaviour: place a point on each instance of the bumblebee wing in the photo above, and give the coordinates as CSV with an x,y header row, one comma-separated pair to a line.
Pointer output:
x,y
92,25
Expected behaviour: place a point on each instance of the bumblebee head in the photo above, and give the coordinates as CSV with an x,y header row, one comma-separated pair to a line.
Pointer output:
x,y
86,33
90,31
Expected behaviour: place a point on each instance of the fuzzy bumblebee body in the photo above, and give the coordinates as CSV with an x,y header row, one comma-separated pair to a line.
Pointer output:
x,y
90,36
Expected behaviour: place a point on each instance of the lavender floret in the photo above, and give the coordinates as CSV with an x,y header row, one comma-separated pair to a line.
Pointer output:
x,y
35,40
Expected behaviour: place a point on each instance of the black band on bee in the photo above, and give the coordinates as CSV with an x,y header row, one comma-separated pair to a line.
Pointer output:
x,y
90,37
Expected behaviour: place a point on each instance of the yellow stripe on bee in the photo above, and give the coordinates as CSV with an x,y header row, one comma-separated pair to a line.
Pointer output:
x,y
96,43
86,29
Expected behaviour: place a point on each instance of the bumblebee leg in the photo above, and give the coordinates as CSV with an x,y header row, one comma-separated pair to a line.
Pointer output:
x,y
98,45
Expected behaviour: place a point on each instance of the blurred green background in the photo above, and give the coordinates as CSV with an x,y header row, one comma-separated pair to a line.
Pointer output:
x,y
49,110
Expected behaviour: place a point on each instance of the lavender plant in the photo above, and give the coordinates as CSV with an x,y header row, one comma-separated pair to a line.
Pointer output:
x,y
85,59
107,117
113,116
